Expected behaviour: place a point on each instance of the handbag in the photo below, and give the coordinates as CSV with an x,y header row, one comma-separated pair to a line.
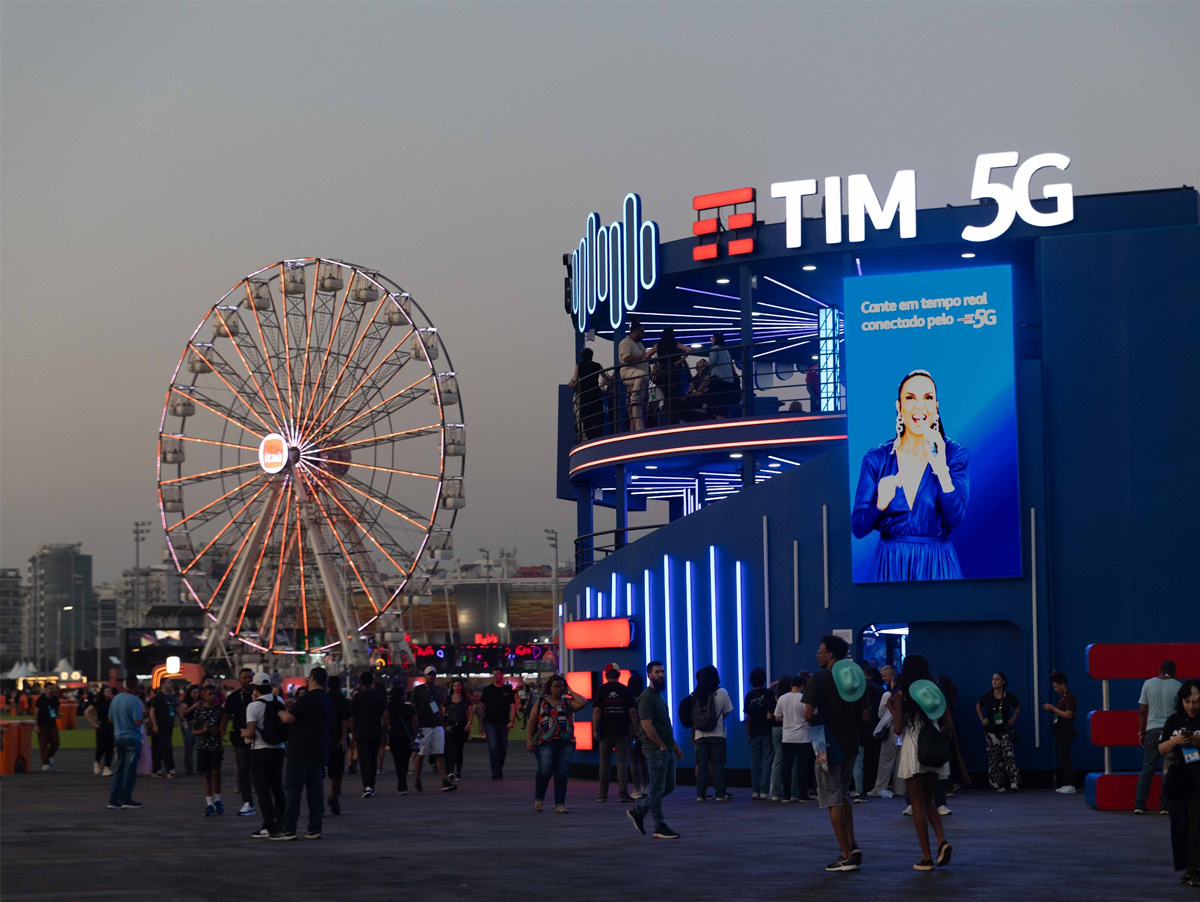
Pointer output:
x,y
1175,783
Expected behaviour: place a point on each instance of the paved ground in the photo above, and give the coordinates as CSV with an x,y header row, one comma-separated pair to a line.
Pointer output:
x,y
58,841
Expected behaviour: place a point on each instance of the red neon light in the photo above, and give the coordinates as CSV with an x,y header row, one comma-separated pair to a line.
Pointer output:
x,y
580,683
723,199
704,252
705,226
712,447
583,736
489,639
741,221
616,633
741,246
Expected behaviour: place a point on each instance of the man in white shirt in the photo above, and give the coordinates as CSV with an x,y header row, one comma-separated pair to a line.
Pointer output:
x,y
634,371
710,744
797,743
889,749
266,758
1155,705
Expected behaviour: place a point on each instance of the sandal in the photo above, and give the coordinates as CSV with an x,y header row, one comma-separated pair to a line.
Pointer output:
x,y
943,855
925,864
537,805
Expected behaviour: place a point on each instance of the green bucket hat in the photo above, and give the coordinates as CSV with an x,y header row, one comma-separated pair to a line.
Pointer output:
x,y
929,697
849,679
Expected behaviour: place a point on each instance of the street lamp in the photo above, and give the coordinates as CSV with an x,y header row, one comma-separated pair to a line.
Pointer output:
x,y
58,640
141,529
487,591
552,538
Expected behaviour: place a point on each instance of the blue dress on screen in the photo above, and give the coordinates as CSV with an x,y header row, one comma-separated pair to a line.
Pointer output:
x,y
913,544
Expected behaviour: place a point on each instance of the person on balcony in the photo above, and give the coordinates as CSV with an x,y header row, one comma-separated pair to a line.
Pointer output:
x,y
635,369
672,358
589,399
699,396
723,384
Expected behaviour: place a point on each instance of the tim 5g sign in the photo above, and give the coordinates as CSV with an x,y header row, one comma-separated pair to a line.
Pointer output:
x,y
901,202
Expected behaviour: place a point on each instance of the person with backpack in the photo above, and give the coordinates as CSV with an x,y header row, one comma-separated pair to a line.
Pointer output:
x,y
266,735
918,709
710,706
760,705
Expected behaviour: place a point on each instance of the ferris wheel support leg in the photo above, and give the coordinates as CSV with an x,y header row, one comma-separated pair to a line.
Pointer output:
x,y
218,633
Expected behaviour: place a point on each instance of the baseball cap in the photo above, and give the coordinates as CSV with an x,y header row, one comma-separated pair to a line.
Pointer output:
x,y
261,679
430,669
613,666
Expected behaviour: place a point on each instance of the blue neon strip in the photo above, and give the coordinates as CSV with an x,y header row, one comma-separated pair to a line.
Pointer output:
x,y
687,569
712,594
667,620
615,595
737,576
599,605
588,594
647,615
629,599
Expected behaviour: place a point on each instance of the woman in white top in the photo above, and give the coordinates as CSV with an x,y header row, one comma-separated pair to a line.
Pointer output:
x,y
915,704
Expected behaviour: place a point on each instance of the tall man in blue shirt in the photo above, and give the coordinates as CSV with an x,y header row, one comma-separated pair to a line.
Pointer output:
x,y
126,715
1155,705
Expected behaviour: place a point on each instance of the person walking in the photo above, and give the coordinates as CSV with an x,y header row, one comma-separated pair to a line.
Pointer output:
x,y
711,741
782,687
1179,739
206,729
402,727
499,715
97,714
889,742
916,706
266,736
162,732
126,714
187,707
834,700
551,738
661,750
367,711
760,710
430,701
335,765
1155,704
1063,711
998,712
47,707
614,722
307,751
235,716
460,714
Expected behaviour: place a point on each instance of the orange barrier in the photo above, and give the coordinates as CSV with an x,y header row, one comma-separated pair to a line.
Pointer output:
x,y
68,712
15,744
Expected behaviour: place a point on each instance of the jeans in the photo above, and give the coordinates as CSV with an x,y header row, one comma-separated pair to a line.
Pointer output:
x,y
662,783
607,744
304,776
497,741
128,750
1064,736
104,745
162,749
1150,759
401,744
638,772
456,741
368,760
267,766
777,762
762,759
797,754
189,748
858,771
710,749
553,760
241,760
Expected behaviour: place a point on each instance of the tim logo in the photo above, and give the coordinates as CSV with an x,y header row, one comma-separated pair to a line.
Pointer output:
x,y
613,265
273,453
740,226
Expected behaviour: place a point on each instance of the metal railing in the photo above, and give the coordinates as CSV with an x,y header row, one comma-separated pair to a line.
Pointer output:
x,y
586,547
679,386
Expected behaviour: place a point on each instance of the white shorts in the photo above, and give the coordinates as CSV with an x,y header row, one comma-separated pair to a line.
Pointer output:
x,y
433,741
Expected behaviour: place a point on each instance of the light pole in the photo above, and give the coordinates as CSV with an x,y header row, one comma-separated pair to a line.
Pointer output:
x,y
71,608
141,529
487,591
552,538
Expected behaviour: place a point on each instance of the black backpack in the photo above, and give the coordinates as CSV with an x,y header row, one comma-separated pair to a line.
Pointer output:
x,y
704,716
933,746
273,730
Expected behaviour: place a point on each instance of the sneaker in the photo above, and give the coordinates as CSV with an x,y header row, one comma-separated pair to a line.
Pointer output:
x,y
755,796
944,811
447,786
262,833
107,772
155,774
856,855
282,837
859,797
638,821
561,809
131,804
601,798
247,810
907,812
368,791
209,810
1139,810
874,795
1065,790
171,775
537,805
96,768
312,834
841,864
925,864
417,784
335,806
114,805
47,767
1164,812
401,792
1013,788
943,856
702,798
1000,789
665,832
725,797
886,794
776,799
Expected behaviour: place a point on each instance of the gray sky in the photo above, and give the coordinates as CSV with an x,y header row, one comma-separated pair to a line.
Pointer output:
x,y
152,154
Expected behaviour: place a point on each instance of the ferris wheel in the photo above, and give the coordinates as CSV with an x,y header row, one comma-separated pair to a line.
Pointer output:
x,y
310,458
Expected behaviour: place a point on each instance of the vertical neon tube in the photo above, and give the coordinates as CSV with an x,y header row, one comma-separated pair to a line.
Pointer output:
x,y
646,615
599,605
615,595
629,599
712,594
588,594
667,620
687,570
740,642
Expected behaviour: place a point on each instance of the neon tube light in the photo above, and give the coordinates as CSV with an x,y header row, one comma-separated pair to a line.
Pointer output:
x,y
687,571
716,446
615,595
796,291
588,608
667,620
646,614
712,594
737,573
715,294
629,599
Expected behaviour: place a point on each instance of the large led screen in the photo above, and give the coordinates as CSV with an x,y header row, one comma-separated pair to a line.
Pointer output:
x,y
932,425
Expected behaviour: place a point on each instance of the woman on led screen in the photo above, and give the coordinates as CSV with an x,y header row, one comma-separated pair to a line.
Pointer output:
x,y
913,489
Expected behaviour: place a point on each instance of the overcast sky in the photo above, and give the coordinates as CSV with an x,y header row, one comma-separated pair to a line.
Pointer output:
x,y
152,154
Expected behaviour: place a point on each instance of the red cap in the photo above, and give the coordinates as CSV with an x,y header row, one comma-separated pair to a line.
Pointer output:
x,y
613,666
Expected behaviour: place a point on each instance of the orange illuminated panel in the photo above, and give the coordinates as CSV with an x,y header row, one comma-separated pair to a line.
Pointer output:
x,y
580,683
742,246
741,220
583,735
723,198
705,226
705,252
616,633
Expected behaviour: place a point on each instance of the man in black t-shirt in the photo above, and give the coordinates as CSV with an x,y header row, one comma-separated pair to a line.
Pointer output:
x,y
335,766
499,714
308,722
47,706
366,726
760,705
614,722
97,713
162,730
430,701
235,717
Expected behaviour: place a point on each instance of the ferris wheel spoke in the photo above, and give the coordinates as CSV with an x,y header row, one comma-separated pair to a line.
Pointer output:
x,y
345,553
364,380
284,544
212,504
300,567
207,441
373,327
385,408
208,474
408,514
285,329
218,364
225,414
232,564
268,352
252,370
333,331
216,538
403,434
400,568
258,563
351,463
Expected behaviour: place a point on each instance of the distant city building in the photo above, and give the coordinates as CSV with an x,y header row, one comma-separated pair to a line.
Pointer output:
x,y
59,606
12,617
